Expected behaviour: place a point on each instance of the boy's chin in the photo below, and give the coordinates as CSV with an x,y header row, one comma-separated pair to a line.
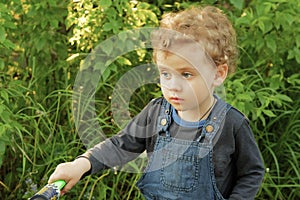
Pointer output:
x,y
178,107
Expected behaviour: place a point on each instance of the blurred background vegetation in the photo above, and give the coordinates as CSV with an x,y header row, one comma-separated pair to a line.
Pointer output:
x,y
42,44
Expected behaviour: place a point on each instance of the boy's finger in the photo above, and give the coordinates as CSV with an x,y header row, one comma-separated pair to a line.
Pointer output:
x,y
54,177
51,179
68,187
58,174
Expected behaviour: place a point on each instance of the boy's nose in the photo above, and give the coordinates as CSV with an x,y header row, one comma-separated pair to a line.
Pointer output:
x,y
174,85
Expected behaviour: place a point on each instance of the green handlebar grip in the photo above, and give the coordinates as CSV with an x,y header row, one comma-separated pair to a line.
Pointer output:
x,y
50,191
60,184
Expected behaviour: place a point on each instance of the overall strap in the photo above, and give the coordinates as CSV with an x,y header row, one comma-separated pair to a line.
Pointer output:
x,y
164,118
215,122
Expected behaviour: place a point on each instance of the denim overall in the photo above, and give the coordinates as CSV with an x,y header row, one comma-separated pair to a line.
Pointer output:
x,y
183,169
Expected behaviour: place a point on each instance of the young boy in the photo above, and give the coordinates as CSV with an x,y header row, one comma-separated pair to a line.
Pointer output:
x,y
199,147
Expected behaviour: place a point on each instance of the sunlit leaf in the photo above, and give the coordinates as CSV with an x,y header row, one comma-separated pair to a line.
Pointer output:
x,y
269,113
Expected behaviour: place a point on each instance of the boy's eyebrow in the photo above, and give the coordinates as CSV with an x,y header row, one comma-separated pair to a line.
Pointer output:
x,y
181,69
187,69
163,67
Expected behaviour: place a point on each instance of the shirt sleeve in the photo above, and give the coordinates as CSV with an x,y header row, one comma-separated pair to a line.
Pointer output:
x,y
249,164
125,146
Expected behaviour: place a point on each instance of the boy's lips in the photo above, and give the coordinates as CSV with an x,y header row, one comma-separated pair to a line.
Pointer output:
x,y
176,100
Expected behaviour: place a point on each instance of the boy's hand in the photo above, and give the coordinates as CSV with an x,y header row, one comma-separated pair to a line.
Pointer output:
x,y
71,172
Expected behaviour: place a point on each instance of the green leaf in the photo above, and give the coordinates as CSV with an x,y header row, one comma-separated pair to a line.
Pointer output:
x,y
2,108
100,65
298,41
123,36
3,8
261,26
289,18
105,3
4,95
298,58
8,44
272,45
105,75
244,96
10,25
73,57
41,43
2,64
4,140
2,34
54,23
44,24
152,16
107,47
268,24
52,3
275,82
107,26
290,54
269,113
294,79
5,116
283,97
262,119
239,4
296,53
124,61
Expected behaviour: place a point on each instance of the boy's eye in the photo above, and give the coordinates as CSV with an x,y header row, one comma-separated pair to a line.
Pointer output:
x,y
165,74
187,75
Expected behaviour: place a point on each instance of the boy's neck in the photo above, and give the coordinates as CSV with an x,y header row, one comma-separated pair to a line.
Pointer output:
x,y
199,114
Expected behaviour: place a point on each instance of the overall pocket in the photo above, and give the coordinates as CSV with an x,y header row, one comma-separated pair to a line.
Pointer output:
x,y
180,172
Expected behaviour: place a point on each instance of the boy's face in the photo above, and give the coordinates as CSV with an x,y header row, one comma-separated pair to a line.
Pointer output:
x,y
187,83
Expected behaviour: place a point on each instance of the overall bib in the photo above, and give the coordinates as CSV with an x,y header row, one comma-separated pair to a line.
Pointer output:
x,y
183,169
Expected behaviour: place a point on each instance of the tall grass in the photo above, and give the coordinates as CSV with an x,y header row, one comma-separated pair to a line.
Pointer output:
x,y
280,151
274,113
43,134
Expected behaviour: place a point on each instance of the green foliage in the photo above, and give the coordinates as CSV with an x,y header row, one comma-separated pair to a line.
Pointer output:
x,y
266,89
269,25
43,45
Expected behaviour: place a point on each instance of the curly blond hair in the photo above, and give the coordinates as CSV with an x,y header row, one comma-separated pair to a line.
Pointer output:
x,y
209,27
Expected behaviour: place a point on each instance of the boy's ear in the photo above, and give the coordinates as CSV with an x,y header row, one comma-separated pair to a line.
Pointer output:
x,y
221,74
